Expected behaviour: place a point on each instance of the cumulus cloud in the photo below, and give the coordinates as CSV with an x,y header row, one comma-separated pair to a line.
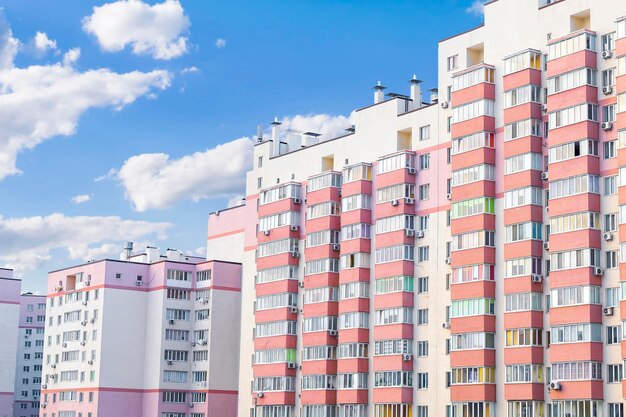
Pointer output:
x,y
235,201
155,181
158,31
43,43
109,175
27,241
82,198
189,70
42,101
477,8
220,43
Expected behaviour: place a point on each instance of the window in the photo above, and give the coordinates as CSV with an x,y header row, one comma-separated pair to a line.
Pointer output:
x,y
422,348
608,80
572,371
473,173
356,289
573,79
395,253
473,240
578,258
422,380
357,172
424,192
480,272
572,333
472,77
394,223
523,231
473,375
356,202
394,284
328,208
424,161
276,328
522,197
525,408
424,132
610,222
354,320
422,285
453,62
524,302
394,315
393,379
423,253
608,42
314,353
524,60
524,337
572,115
395,192
353,350
351,381
614,373
472,110
610,185
572,45
524,373
326,180
473,141
320,323
422,316
473,307
612,297
574,185
613,335
274,383
354,231
393,347
276,274
469,341
280,192
608,115
521,95
319,382
395,162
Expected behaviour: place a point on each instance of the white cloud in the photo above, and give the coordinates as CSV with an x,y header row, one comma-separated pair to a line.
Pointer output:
x,y
43,43
220,43
42,101
27,242
110,174
158,31
235,201
477,8
154,181
8,44
201,251
82,198
190,70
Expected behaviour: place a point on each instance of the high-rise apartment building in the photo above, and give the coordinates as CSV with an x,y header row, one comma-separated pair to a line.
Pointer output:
x,y
149,335
9,321
30,343
461,256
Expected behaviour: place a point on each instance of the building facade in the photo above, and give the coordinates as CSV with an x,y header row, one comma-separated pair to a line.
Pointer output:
x,y
459,256
148,335
29,355
9,321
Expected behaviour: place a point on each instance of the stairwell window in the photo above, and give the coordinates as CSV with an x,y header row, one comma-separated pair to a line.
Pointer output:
x,y
453,62
608,42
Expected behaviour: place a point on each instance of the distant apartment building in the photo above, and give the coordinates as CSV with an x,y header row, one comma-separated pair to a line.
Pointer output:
x,y
459,256
149,335
30,342
9,321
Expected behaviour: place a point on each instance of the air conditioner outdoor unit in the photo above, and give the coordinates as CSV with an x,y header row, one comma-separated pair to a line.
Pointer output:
x,y
448,260
294,310
293,228
555,385
607,90
445,325
606,54
83,343
170,362
90,362
608,311
339,192
172,321
449,196
544,107
607,126
544,176
190,405
266,232
64,345
83,323
597,271
332,332
411,170
295,254
193,343
409,201
44,405
406,357
297,200
138,283
394,203
87,283
204,342
536,278
53,366
260,395
301,284
546,245
409,232
291,365
444,104
44,386
608,236
84,303
419,234
336,247
35,398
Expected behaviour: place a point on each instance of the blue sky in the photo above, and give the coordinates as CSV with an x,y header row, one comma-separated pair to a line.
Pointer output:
x,y
280,58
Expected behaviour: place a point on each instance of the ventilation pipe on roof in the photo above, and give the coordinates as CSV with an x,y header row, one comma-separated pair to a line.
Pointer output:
x,y
379,95
416,92
276,136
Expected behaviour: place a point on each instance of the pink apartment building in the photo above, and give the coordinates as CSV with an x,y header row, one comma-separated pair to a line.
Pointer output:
x,y
149,335
9,321
30,342
458,256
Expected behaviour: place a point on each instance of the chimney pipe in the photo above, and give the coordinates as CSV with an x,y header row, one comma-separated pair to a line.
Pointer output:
x,y
416,92
379,95
276,136
434,95
259,133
